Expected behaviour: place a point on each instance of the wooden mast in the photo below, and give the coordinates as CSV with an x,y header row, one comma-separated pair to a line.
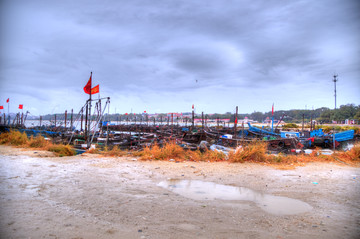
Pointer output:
x,y
89,118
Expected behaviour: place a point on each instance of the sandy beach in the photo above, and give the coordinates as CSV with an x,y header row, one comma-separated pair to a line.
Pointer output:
x,y
89,196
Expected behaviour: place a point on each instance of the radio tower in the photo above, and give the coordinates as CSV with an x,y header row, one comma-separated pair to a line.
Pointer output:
x,y
335,80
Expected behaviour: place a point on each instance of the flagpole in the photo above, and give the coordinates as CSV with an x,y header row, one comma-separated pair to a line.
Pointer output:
x,y
89,123
272,119
8,112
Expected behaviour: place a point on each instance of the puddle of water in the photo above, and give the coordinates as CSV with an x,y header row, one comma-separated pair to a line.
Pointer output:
x,y
200,190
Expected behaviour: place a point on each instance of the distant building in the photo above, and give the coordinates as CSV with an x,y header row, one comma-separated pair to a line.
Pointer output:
x,y
350,121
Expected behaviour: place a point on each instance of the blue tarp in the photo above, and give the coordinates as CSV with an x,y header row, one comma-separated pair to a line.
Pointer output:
x,y
318,132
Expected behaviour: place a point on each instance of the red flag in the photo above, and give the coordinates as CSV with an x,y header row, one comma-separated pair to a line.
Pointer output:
x,y
272,111
1,107
21,107
87,88
126,113
95,90
7,101
235,120
193,106
144,111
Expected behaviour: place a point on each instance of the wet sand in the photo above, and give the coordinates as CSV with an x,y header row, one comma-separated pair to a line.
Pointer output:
x,y
88,196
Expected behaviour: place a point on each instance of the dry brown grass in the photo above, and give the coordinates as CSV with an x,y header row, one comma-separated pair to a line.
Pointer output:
x,y
168,151
13,137
255,152
38,142
351,156
114,152
173,151
93,151
62,150
19,139
208,155
252,152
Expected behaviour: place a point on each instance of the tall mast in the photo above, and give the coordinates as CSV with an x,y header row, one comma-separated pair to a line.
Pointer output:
x,y
89,118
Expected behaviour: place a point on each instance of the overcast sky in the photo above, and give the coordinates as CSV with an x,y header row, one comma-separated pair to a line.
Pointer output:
x,y
165,55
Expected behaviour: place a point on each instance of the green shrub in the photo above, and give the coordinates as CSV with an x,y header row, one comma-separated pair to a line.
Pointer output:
x,y
290,126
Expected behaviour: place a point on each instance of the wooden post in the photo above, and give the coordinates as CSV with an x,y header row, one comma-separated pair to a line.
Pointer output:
x,y
71,119
86,122
40,120
65,118
82,118
193,117
55,120
202,119
235,121
243,129
303,123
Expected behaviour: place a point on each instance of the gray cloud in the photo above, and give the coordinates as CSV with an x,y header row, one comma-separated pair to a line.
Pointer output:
x,y
233,52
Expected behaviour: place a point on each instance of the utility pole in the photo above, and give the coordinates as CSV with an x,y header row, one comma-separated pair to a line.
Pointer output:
x,y
65,118
334,80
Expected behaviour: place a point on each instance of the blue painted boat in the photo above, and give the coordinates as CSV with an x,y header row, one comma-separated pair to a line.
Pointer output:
x,y
344,136
262,132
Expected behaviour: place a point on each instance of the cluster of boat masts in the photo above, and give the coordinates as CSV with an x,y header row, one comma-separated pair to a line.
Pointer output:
x,y
91,130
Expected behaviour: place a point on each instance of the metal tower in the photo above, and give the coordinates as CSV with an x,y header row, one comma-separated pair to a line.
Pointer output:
x,y
335,80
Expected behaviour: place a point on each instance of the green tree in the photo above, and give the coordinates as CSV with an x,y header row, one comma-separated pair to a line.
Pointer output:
x,y
326,116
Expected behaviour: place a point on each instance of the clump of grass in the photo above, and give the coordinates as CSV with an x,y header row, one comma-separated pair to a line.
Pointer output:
x,y
254,152
213,156
195,155
171,150
13,137
168,151
208,155
93,151
62,150
38,142
315,152
114,152
353,155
